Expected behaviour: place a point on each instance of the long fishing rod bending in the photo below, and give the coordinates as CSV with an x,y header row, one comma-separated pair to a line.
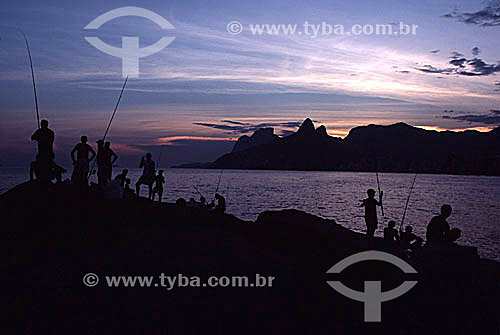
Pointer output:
x,y
114,111
32,78
407,201
109,124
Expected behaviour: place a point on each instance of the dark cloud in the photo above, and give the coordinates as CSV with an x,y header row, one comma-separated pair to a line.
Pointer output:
x,y
463,66
403,71
449,111
493,118
498,86
435,51
239,128
489,16
456,54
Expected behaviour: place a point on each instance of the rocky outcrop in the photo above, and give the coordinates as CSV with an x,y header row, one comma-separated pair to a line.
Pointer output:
x,y
53,235
259,137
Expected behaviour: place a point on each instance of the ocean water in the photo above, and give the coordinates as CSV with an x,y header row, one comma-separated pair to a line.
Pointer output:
x,y
336,195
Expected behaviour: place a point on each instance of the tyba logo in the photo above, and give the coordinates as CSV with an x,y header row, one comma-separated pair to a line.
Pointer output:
x,y
130,51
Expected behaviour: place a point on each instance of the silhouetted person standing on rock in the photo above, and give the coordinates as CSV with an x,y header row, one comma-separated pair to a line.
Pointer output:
x,y
148,174
438,229
45,138
110,159
44,167
159,181
81,163
370,205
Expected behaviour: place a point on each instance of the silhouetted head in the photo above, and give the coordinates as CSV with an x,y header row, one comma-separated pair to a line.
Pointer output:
x,y
392,224
84,139
202,199
124,172
107,145
160,172
148,156
408,229
44,124
445,210
371,192
100,143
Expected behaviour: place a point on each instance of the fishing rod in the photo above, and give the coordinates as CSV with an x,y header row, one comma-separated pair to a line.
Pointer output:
x,y
32,77
159,157
110,121
201,195
218,184
407,201
378,185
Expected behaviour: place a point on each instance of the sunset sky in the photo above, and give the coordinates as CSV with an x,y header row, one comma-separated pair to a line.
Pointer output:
x,y
208,87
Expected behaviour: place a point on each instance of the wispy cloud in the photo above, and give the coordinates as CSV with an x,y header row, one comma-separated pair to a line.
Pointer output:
x,y
489,16
492,118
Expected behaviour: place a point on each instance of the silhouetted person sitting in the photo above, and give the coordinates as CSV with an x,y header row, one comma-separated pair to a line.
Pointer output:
x,y
438,230
121,178
46,171
81,163
128,193
220,207
408,240
45,138
110,159
370,205
148,175
390,233
158,188
101,164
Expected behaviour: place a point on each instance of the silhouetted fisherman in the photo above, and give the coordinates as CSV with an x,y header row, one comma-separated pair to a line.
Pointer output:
x,y
122,177
81,163
390,233
46,171
158,188
45,138
148,175
110,158
438,229
408,240
220,207
370,205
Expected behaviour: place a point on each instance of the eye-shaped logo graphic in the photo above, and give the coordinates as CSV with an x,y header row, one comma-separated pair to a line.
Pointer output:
x,y
373,295
130,51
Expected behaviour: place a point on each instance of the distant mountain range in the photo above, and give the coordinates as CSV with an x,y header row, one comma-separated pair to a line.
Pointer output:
x,y
394,148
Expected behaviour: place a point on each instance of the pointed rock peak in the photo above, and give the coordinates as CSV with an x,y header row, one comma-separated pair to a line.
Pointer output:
x,y
321,131
307,127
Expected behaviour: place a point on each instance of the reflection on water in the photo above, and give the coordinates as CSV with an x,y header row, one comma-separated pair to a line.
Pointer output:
x,y
336,195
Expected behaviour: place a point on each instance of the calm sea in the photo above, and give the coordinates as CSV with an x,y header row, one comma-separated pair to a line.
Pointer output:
x,y
335,195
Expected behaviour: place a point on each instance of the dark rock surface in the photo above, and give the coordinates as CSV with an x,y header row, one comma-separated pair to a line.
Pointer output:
x,y
55,235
